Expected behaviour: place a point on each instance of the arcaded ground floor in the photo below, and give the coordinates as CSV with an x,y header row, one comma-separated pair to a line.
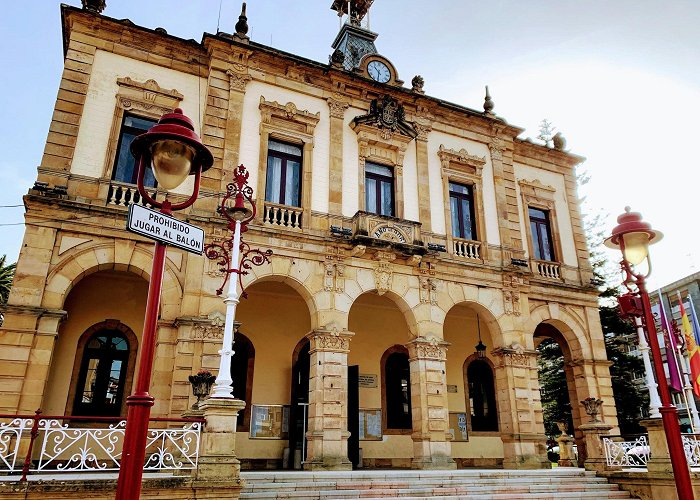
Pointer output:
x,y
366,367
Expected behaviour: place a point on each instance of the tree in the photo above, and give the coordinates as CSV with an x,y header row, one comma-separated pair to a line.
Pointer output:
x,y
7,272
619,334
554,392
546,132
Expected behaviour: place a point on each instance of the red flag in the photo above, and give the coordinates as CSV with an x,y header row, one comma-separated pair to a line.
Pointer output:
x,y
692,348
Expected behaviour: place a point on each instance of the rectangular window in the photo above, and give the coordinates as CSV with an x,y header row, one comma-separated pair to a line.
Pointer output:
x,y
540,228
283,183
379,189
462,211
125,168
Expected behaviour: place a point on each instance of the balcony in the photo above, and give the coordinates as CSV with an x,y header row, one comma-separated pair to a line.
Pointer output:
x,y
466,249
547,269
282,216
386,231
123,194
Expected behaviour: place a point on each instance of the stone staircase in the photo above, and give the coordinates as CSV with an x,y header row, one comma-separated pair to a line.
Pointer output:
x,y
469,484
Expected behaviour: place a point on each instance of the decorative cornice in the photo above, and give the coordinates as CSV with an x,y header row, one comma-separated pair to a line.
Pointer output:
x,y
330,339
238,81
286,115
427,348
515,355
147,96
461,160
337,106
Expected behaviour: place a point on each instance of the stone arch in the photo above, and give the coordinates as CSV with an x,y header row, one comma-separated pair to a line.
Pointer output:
x,y
297,283
103,257
571,330
486,317
403,292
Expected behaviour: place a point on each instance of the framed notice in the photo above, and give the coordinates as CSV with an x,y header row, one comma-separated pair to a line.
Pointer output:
x,y
370,424
458,427
269,422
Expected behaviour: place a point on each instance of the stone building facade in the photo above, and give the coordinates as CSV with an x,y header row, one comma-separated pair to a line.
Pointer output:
x,y
405,230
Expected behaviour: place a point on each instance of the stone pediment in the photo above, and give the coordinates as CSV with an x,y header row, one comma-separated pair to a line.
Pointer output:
x,y
387,115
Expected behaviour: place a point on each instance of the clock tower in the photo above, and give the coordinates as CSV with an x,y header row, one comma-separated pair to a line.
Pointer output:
x,y
354,47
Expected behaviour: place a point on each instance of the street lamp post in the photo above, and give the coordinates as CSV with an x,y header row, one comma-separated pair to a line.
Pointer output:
x,y
633,237
234,257
174,151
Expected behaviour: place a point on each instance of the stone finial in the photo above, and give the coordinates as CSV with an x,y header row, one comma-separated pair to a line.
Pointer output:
x,y
559,142
488,103
337,58
417,84
96,6
242,25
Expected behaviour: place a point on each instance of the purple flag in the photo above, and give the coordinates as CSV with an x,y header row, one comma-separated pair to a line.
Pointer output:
x,y
674,378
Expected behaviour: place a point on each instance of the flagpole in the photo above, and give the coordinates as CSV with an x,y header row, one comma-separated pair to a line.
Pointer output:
x,y
667,328
692,351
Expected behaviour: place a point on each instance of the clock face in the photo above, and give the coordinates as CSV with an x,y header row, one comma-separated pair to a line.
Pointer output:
x,y
379,71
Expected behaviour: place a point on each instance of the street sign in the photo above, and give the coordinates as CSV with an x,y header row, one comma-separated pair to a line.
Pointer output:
x,y
157,226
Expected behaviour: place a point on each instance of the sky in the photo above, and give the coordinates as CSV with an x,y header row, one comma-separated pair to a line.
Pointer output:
x,y
620,80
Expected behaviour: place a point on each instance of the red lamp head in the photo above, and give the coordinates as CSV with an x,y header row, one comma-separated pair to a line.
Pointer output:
x,y
174,149
633,236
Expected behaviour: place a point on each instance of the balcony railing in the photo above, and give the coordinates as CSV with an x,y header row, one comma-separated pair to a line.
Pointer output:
x,y
467,249
691,446
547,269
123,194
282,216
41,444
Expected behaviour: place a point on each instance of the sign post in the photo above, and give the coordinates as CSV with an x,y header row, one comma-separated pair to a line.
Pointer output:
x,y
160,227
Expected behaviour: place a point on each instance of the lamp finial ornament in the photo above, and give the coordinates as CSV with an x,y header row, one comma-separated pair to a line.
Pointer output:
x,y
488,102
242,24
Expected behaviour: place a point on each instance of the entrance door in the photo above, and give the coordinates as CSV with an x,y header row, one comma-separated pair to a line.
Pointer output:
x,y
354,415
298,415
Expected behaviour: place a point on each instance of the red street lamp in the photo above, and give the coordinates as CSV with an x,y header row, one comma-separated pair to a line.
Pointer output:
x,y
174,151
633,236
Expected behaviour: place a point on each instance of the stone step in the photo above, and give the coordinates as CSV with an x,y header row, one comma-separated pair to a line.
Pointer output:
x,y
320,485
380,494
464,484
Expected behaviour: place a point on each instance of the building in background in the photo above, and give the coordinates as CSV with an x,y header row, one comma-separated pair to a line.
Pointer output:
x,y
405,230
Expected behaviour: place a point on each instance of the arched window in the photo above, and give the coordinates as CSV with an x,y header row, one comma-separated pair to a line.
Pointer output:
x,y
242,365
396,389
482,397
103,374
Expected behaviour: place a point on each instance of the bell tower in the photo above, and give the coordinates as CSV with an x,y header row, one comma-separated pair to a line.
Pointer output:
x,y
353,41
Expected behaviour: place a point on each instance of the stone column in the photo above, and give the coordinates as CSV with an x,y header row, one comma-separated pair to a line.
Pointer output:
x,y
593,434
566,447
660,459
217,452
519,409
337,106
423,130
327,435
431,438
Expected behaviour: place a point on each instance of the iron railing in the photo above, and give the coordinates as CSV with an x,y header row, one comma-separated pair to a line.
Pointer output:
x,y
48,444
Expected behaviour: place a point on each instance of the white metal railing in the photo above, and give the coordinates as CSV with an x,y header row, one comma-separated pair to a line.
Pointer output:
x,y
467,248
620,453
41,445
691,446
547,269
282,216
